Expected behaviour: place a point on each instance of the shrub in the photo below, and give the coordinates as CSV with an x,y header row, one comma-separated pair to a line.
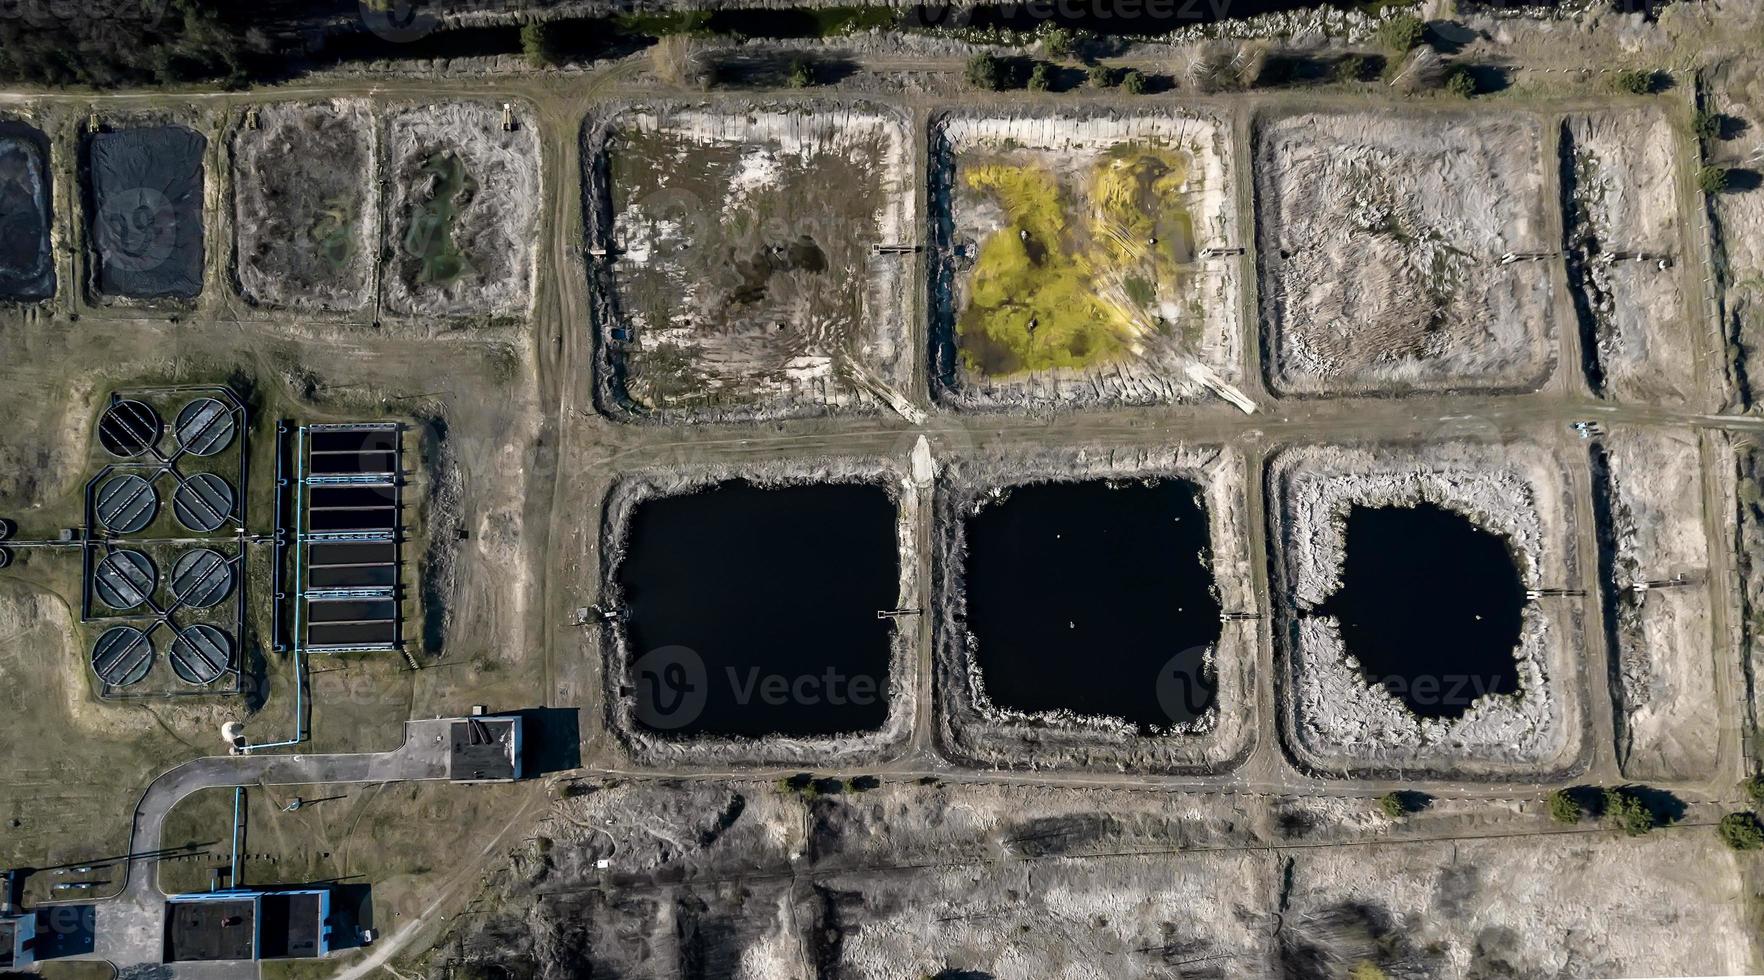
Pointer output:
x,y
1741,831
1459,82
1207,68
1706,124
1635,81
1101,76
1393,806
987,71
1250,63
677,60
829,785
1627,812
1564,808
1041,77
1135,82
1351,68
1754,786
1402,33
802,74
1712,179
540,45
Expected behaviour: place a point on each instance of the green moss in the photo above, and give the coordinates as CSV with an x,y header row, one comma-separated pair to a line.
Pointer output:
x,y
851,20
429,236
1070,282
333,231
692,23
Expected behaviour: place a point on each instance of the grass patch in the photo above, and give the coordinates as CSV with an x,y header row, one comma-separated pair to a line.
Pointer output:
x,y
1068,283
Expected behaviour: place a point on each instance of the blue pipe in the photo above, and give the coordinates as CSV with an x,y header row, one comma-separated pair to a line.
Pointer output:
x,y
280,549
238,827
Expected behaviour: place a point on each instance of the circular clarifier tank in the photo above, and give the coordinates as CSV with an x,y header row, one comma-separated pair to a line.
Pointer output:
x,y
204,427
123,580
122,656
129,428
201,578
126,503
201,653
203,502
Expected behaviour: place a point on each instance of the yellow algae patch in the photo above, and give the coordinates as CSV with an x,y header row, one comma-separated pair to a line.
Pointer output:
x,y
1076,275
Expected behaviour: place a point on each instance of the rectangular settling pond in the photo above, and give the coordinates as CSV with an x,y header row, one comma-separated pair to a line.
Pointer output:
x,y
752,611
146,208
27,271
1095,597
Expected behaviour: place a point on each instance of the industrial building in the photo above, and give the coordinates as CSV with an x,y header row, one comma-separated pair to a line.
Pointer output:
x,y
484,749
240,924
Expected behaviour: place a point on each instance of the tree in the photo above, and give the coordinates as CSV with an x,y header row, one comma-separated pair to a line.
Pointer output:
x,y
1741,831
1627,812
1135,82
1402,33
1393,806
802,74
1059,42
862,784
539,43
987,71
1635,81
1712,179
1459,82
1040,77
165,42
1564,808
1101,76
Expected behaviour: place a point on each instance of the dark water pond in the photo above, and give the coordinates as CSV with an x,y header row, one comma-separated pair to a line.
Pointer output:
x,y
26,269
147,211
1095,597
752,611
1430,606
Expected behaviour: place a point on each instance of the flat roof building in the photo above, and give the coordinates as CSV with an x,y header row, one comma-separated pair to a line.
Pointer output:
x,y
18,940
484,750
248,925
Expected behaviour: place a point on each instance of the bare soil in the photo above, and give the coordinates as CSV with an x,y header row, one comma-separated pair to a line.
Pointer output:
x,y
1381,237
306,206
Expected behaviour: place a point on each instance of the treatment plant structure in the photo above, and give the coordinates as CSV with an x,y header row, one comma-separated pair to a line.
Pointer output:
x,y
662,505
